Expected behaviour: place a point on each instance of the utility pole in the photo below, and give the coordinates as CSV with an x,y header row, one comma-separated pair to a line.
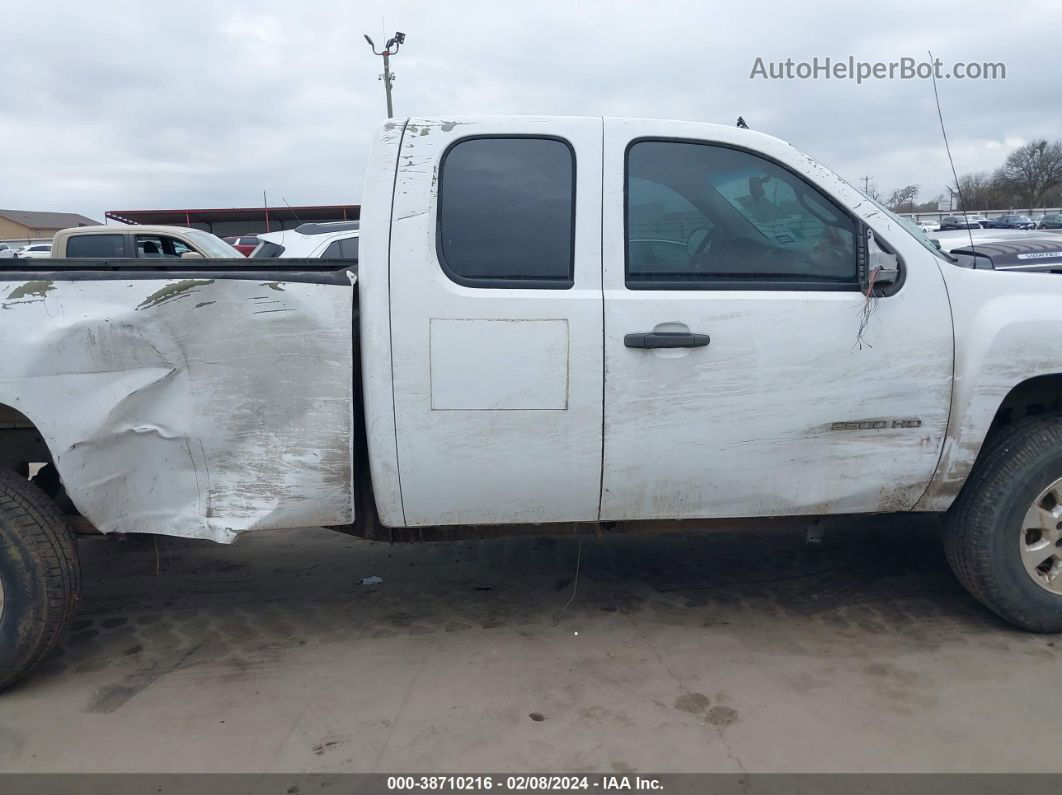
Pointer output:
x,y
388,76
866,184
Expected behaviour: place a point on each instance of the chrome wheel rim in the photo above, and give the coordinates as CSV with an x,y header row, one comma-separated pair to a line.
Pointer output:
x,y
1041,539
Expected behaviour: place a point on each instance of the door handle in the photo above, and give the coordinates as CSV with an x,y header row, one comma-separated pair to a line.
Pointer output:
x,y
666,339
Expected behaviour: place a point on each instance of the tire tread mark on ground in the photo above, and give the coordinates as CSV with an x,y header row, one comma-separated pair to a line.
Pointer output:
x,y
111,698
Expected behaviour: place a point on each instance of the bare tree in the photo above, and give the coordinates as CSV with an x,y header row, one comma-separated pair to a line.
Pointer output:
x,y
902,199
870,188
1032,171
980,191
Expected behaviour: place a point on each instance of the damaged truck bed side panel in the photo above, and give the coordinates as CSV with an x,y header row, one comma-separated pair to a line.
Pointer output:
x,y
197,405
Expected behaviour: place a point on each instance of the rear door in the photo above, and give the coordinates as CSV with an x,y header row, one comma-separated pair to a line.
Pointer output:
x,y
496,314
796,395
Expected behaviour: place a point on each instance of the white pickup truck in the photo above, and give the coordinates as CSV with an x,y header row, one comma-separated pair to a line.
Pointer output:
x,y
553,320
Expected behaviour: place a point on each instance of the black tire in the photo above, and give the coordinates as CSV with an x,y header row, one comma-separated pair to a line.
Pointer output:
x,y
40,575
984,527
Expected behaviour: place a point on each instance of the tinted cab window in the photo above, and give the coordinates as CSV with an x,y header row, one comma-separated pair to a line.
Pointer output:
x,y
506,212
700,216
96,246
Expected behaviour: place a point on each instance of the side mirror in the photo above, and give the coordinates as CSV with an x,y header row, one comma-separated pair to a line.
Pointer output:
x,y
879,267
192,255
756,186
696,240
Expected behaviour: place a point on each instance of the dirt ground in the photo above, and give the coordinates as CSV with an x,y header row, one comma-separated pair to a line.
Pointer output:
x,y
679,653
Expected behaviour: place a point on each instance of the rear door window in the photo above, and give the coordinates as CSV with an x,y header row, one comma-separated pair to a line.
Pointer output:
x,y
507,212
95,246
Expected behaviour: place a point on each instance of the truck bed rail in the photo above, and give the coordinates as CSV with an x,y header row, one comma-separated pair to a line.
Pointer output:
x,y
327,271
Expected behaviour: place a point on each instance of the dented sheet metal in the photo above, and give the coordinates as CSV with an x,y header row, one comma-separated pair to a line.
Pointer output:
x,y
198,407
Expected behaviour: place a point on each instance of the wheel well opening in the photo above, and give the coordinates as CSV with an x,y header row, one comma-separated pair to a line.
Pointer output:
x,y
22,448
1040,395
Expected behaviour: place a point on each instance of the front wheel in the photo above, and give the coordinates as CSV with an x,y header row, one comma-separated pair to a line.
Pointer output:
x,y
39,576
1004,534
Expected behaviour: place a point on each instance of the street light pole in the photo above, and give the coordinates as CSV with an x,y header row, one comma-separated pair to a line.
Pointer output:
x,y
388,77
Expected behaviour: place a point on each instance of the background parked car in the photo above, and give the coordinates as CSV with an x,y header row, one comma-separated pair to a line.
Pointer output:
x,y
245,244
140,241
1050,221
1012,222
34,251
338,240
959,222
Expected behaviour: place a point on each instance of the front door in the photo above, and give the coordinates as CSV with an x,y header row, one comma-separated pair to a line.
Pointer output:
x,y
786,393
496,314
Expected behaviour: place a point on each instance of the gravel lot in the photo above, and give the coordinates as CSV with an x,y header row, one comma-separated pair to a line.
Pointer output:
x,y
723,652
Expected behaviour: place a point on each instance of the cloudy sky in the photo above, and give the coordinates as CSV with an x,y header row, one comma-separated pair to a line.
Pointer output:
x,y
109,105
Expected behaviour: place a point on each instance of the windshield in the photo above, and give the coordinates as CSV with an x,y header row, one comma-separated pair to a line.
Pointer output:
x,y
908,225
211,246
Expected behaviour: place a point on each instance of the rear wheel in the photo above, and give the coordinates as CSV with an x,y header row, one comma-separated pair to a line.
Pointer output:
x,y
39,576
1004,533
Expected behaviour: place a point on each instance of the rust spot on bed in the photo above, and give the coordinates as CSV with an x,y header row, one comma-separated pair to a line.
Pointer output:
x,y
172,291
38,289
